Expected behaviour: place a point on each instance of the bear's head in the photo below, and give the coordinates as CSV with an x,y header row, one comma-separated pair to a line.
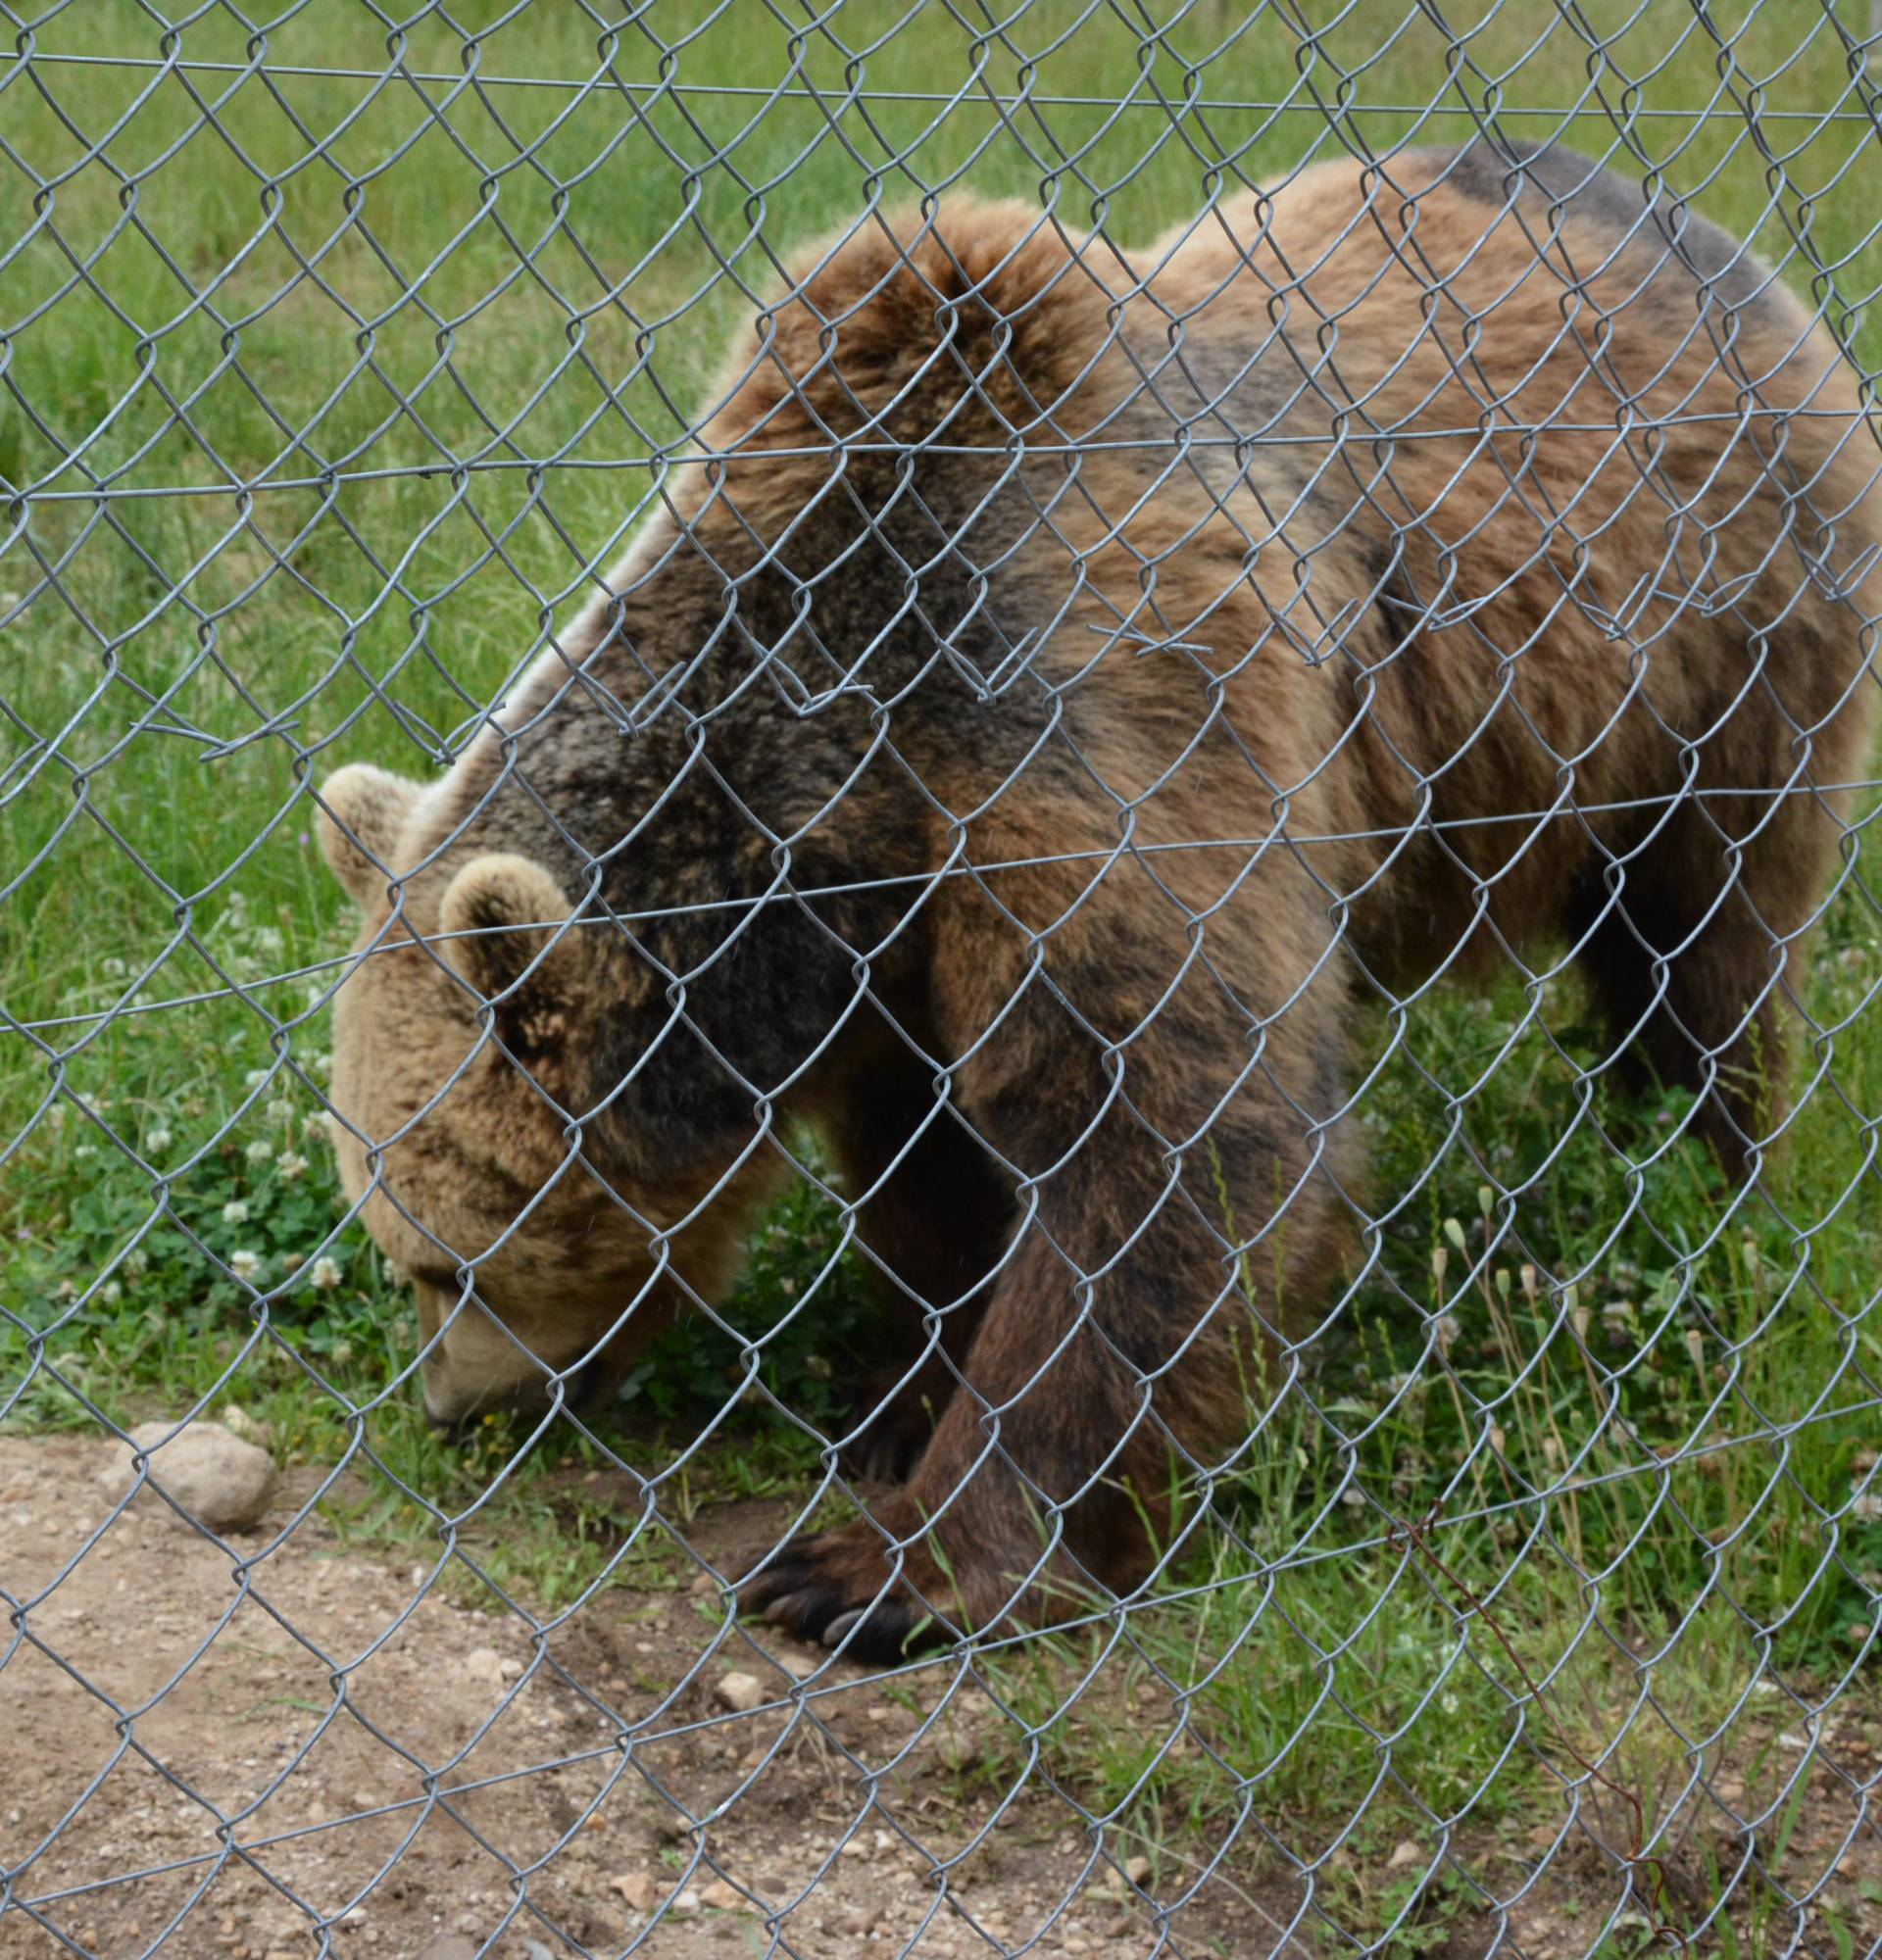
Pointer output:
x,y
465,1121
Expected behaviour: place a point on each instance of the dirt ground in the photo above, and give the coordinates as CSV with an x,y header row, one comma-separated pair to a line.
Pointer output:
x,y
294,1751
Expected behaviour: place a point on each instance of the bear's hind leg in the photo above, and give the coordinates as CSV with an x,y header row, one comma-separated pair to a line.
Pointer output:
x,y
1695,959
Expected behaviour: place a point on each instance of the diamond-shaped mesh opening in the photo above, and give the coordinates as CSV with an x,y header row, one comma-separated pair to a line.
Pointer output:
x,y
1080,1154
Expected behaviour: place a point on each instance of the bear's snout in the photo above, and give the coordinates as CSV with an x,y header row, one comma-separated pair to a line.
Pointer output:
x,y
453,1401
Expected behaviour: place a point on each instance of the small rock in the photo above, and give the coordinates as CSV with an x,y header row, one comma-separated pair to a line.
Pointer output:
x,y
484,1664
449,1946
741,1692
687,1901
222,1482
723,1897
800,1667
702,1586
1407,1852
640,1892
1137,1871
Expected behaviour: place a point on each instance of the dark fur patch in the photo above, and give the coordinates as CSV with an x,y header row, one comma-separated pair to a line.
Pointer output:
x,y
1539,176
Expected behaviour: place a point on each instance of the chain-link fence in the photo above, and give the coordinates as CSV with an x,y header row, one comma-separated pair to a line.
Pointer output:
x,y
939,991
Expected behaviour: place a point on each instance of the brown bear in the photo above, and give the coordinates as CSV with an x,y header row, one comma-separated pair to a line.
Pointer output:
x,y
1060,687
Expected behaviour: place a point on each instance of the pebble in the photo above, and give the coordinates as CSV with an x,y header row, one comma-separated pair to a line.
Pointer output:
x,y
449,1946
640,1891
1137,1871
220,1480
741,1692
484,1664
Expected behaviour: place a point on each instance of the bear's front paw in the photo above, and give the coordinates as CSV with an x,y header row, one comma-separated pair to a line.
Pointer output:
x,y
853,1589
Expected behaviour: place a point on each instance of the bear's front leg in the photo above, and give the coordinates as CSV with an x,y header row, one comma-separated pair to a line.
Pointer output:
x,y
1120,1327
1002,1518
1151,1090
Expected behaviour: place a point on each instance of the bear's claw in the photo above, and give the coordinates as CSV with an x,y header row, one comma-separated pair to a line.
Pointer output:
x,y
813,1590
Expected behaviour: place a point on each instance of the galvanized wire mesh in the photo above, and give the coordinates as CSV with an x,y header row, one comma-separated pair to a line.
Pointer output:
x,y
1181,863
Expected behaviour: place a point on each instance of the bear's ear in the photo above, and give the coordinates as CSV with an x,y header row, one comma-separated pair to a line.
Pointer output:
x,y
362,810
506,931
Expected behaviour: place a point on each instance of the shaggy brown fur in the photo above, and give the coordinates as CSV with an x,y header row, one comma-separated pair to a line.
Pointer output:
x,y
1442,535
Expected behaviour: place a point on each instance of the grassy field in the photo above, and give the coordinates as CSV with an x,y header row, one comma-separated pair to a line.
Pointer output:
x,y
321,416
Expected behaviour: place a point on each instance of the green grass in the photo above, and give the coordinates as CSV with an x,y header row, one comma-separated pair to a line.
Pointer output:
x,y
394,457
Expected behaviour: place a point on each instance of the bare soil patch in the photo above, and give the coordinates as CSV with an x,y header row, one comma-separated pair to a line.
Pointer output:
x,y
276,1747
255,1745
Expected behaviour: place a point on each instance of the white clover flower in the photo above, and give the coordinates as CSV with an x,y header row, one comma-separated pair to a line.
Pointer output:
x,y
110,1293
327,1273
281,1110
245,1265
260,1151
1867,1506
115,969
321,1065
156,1136
135,1260
86,1150
1448,1703
292,1166
234,1212
254,1078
